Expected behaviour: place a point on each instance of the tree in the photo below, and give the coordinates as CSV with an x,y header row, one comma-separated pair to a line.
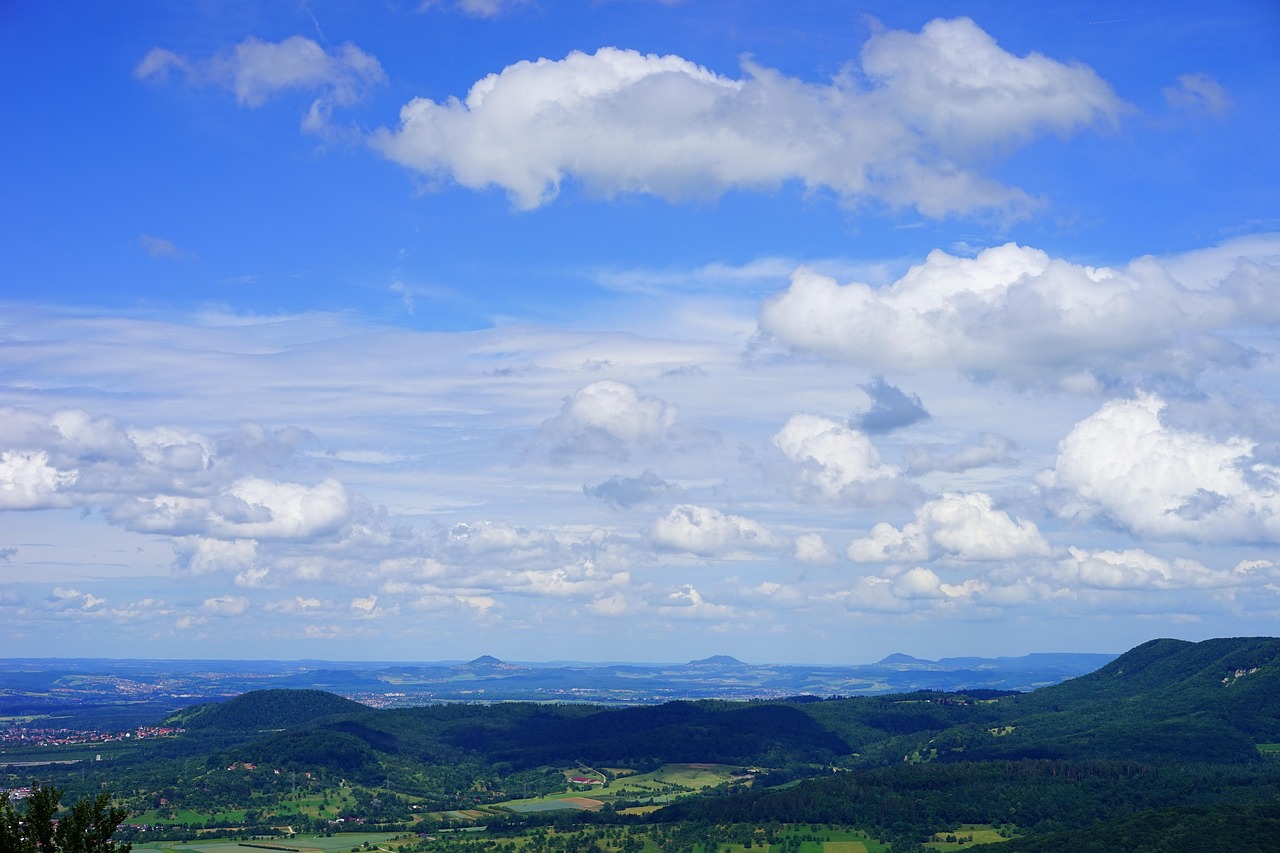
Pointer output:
x,y
86,827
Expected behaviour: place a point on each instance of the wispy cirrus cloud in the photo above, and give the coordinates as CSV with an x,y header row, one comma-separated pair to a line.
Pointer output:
x,y
256,71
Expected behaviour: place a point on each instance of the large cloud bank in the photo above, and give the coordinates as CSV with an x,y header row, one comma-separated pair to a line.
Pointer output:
x,y
908,128
1016,312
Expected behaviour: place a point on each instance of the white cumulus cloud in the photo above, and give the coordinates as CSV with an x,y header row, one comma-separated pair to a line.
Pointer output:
x,y
812,548
28,481
201,555
1124,463
1015,312
225,605
607,418
959,526
833,462
708,532
911,130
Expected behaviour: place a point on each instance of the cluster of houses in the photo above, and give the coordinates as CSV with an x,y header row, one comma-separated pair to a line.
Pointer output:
x,y
24,736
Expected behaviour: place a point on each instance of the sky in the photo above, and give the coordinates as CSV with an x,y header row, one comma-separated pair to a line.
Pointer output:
x,y
626,330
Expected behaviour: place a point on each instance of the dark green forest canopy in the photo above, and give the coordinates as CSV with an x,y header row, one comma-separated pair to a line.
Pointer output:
x,y
265,709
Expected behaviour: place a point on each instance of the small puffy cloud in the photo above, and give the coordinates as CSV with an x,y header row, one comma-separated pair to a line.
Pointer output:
x,y
491,540
891,408
201,555
1014,312
914,129
607,418
477,8
833,462
252,577
159,247
1124,463
918,583
708,532
28,481
296,605
1198,93
478,603
74,599
688,603
781,595
225,605
921,590
144,609
365,605
958,526
989,450
619,491
610,605
813,549
256,70
575,580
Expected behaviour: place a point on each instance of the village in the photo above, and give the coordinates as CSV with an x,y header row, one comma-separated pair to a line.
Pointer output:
x,y
28,736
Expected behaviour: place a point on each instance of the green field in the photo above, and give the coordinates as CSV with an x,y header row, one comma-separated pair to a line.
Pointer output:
x,y
667,782
306,843
980,833
308,805
833,840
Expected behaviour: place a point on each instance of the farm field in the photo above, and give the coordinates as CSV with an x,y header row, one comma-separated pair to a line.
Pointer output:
x,y
801,839
972,833
843,847
660,786
303,843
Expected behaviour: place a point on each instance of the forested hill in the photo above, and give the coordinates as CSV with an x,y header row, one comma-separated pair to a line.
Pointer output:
x,y
260,710
1194,671
523,735
1164,700
1169,723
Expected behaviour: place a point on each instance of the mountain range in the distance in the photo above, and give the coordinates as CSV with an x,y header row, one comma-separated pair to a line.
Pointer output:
x,y
145,687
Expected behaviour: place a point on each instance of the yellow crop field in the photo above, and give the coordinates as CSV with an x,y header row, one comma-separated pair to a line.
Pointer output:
x,y
843,847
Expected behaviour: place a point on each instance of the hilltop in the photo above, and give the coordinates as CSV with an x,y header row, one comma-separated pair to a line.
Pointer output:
x,y
717,660
264,710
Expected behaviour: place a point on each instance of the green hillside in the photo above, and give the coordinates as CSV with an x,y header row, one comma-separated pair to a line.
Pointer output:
x,y
1166,700
1168,724
262,710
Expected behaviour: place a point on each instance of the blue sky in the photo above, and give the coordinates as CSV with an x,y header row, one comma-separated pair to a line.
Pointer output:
x,y
637,330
